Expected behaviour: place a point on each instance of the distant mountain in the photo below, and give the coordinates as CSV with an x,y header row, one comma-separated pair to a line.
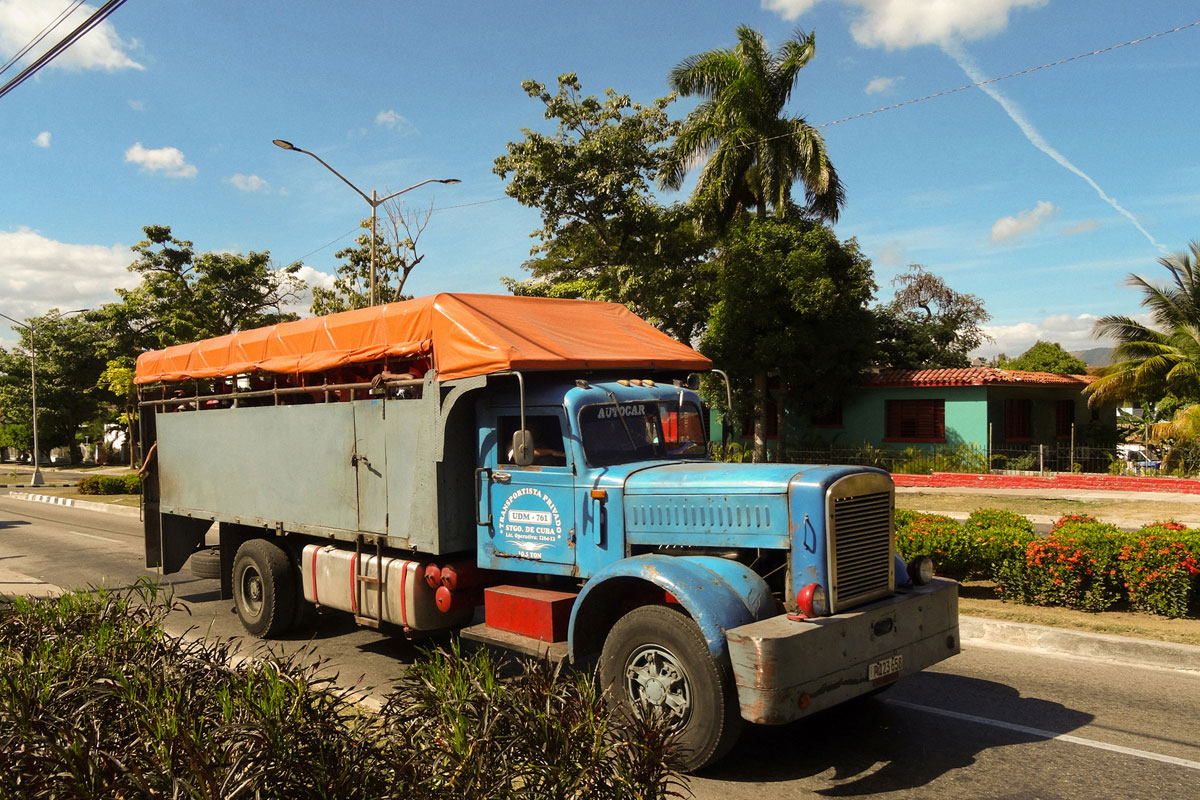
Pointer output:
x,y
1096,357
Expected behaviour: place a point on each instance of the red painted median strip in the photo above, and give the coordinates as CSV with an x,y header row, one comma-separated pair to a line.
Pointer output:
x,y
1059,481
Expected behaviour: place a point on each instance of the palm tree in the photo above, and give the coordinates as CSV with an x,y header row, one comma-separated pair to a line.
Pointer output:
x,y
1162,360
754,153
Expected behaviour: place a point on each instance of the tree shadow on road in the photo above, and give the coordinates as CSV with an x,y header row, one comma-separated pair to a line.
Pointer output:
x,y
877,745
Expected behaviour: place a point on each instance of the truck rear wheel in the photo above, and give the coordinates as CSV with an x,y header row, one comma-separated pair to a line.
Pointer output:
x,y
264,590
656,661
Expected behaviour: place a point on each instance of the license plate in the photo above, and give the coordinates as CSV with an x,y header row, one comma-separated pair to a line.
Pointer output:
x,y
886,668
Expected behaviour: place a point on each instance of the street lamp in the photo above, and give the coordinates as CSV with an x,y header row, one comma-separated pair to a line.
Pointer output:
x,y
374,201
37,479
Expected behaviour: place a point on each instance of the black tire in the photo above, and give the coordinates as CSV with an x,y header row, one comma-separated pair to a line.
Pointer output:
x,y
206,563
651,642
264,590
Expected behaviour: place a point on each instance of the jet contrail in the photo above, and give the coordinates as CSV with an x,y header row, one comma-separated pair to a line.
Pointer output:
x,y
974,73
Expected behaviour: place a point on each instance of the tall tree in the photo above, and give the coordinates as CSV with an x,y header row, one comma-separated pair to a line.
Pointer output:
x,y
184,296
603,234
1152,362
928,325
754,152
396,256
1046,357
792,301
67,367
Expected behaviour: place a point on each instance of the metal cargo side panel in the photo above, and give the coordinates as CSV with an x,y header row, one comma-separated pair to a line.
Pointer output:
x,y
408,432
370,463
283,463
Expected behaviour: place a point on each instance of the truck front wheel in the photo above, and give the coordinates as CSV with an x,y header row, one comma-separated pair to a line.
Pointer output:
x,y
264,590
655,662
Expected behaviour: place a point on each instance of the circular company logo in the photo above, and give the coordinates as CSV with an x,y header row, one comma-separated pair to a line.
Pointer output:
x,y
530,521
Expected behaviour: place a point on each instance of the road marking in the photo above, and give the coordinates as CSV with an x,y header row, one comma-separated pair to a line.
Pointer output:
x,y
93,536
1062,737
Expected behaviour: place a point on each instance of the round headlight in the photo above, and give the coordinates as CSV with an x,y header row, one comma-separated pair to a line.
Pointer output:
x,y
920,570
812,601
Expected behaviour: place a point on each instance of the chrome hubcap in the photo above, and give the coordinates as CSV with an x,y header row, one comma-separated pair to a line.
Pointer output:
x,y
656,684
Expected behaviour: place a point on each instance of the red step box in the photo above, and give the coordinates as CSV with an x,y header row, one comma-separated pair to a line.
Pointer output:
x,y
537,613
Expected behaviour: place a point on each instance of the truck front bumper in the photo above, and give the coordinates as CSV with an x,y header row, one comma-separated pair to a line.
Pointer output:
x,y
786,669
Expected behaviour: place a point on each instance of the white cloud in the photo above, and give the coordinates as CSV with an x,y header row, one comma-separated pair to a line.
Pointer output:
x,y
1081,227
1023,222
37,274
42,139
137,105
877,85
167,160
311,277
393,121
1072,332
21,21
789,9
248,183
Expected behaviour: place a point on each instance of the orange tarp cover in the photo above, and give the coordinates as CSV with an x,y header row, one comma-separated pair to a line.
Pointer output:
x,y
466,334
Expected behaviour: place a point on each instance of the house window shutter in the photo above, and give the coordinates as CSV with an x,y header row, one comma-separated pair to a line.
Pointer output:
x,y
1018,420
916,421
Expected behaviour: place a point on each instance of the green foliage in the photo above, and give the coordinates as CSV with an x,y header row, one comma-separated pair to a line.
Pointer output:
x,y
1160,571
989,518
97,701
1046,357
1153,362
396,256
754,153
68,366
184,296
1083,564
110,484
791,300
603,234
928,325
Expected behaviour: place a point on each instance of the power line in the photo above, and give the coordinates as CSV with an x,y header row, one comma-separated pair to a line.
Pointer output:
x,y
943,93
1058,63
98,16
36,40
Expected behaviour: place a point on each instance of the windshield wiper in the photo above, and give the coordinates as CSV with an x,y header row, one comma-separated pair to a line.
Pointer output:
x,y
621,417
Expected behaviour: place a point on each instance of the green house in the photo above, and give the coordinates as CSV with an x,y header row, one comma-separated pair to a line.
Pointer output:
x,y
984,407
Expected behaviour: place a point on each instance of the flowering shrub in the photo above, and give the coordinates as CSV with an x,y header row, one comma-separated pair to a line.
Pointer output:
x,y
986,518
1083,564
1159,575
1061,571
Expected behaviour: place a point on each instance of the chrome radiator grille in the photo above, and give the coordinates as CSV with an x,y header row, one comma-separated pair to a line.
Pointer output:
x,y
860,542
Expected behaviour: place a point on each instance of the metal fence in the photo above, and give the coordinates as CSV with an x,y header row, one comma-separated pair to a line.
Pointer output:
x,y
962,458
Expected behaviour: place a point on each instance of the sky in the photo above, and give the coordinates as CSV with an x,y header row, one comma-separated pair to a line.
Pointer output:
x,y
1040,193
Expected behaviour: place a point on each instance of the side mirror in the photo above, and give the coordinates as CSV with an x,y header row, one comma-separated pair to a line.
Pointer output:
x,y
522,448
693,381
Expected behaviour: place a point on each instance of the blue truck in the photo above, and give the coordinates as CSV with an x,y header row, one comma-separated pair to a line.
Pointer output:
x,y
534,474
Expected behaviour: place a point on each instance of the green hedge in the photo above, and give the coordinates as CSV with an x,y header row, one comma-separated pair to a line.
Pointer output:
x,y
1082,564
97,701
110,484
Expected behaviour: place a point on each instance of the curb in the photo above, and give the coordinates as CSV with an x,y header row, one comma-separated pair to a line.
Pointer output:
x,y
43,486
85,505
1098,646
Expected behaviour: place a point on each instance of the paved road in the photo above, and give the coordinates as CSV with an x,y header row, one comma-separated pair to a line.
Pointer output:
x,y
989,723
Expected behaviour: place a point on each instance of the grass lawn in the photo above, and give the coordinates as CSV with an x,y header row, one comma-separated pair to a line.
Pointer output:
x,y
1103,509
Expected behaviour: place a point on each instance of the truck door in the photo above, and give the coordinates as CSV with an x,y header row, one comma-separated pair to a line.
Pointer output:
x,y
533,508
369,460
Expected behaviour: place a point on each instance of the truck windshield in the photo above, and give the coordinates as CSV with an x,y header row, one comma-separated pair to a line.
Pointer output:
x,y
656,430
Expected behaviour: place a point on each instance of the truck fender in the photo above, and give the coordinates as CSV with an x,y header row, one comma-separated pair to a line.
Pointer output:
x,y
716,592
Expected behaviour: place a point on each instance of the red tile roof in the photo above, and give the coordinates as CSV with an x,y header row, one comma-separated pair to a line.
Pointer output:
x,y
973,376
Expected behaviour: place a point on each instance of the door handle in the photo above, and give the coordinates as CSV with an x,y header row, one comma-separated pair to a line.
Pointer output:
x,y
487,472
